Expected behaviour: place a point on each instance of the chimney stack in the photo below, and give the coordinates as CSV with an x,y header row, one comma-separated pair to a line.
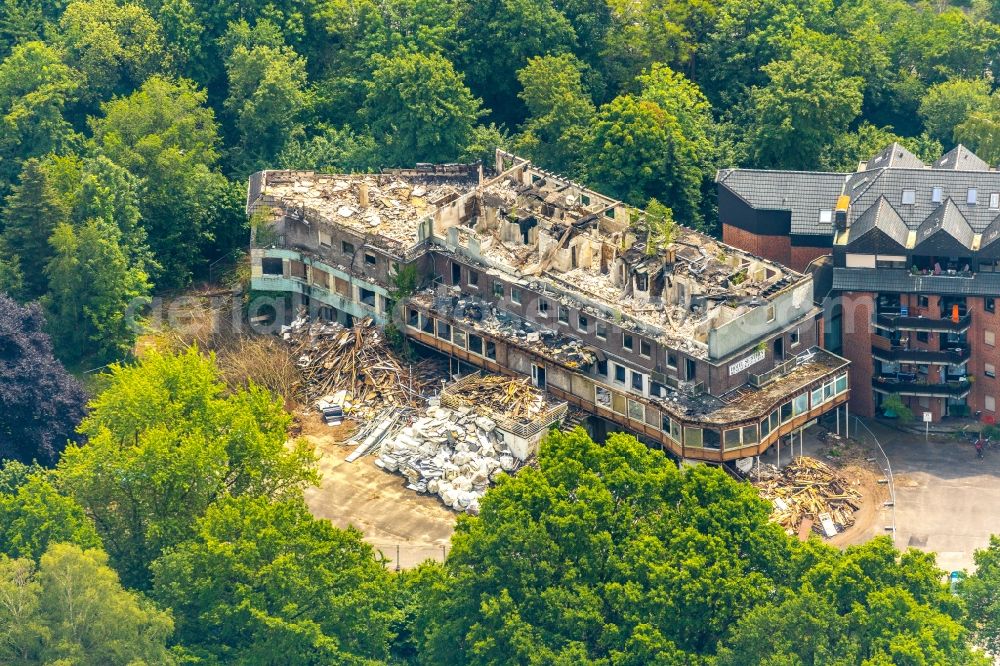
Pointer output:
x,y
363,194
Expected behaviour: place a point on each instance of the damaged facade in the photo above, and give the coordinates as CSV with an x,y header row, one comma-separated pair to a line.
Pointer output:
x,y
706,350
913,270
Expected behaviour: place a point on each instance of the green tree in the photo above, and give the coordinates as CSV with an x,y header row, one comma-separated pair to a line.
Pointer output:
x,y
73,610
332,151
947,105
35,88
606,553
980,594
268,98
802,629
165,135
419,109
95,293
116,46
660,224
895,405
32,213
652,31
867,141
496,40
559,112
36,515
980,131
164,443
264,583
806,105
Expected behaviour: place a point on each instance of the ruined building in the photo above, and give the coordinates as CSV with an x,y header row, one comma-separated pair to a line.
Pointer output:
x,y
706,350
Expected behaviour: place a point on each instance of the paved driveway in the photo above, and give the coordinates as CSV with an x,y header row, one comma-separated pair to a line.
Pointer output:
x,y
947,500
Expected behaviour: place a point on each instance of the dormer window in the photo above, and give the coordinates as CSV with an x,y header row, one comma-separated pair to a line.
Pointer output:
x,y
909,197
971,199
936,195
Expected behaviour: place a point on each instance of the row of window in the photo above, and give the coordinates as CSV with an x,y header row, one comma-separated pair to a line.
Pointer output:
x,y
445,331
708,438
630,341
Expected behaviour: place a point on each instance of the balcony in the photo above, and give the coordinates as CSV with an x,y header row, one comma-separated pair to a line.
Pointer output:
x,y
924,324
954,355
910,385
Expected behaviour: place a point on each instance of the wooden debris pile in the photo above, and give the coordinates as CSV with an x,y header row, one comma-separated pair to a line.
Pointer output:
x,y
515,399
808,491
354,368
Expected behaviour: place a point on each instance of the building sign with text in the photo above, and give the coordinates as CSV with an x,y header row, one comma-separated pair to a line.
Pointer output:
x,y
745,363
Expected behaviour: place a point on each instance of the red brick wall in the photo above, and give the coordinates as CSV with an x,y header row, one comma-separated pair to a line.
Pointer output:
x,y
801,256
858,309
981,354
775,248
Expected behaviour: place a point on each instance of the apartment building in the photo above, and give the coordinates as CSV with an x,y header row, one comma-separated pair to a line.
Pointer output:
x,y
708,351
913,269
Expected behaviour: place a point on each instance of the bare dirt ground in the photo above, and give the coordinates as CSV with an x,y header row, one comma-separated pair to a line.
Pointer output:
x,y
869,518
851,460
374,501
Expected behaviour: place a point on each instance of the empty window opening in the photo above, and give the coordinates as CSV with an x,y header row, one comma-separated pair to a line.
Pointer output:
x,y
456,273
348,248
366,296
271,266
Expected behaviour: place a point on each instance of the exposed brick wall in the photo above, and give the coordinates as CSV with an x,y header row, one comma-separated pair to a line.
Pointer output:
x,y
775,248
858,308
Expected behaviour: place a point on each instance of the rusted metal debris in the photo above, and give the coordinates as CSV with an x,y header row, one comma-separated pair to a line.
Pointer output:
x,y
808,490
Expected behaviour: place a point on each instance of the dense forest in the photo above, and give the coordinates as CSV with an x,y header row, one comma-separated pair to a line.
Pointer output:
x,y
129,128
158,516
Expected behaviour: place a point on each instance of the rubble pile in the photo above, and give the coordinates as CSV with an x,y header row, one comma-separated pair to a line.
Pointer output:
x,y
353,368
809,494
516,399
453,454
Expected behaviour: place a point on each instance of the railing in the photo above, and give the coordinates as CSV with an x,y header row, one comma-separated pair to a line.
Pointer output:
x,y
896,354
780,370
859,426
923,323
908,387
520,428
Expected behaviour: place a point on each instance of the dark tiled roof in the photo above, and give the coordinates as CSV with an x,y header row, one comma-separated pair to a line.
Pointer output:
x,y
990,234
886,175
946,228
804,193
901,281
880,217
894,157
961,158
